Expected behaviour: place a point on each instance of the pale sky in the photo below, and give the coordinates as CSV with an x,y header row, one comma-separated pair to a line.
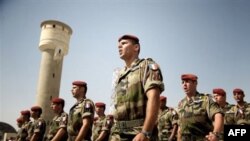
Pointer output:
x,y
209,38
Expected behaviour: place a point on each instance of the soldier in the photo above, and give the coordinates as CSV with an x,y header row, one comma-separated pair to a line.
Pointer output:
x,y
81,114
38,125
219,95
26,127
58,126
240,113
197,112
101,126
167,121
19,122
137,94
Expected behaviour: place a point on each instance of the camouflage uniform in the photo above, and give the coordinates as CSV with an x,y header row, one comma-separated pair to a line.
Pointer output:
x,y
82,109
239,116
225,110
101,124
166,119
195,117
24,131
130,97
39,126
57,123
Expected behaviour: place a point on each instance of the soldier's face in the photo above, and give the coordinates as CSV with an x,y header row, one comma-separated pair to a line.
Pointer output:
x,y
99,110
127,49
75,91
162,103
189,86
219,98
239,97
55,107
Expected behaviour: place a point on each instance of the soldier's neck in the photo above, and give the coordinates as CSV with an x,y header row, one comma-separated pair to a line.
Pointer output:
x,y
190,95
130,61
240,104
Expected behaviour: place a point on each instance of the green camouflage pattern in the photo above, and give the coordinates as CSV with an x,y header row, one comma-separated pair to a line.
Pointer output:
x,y
130,92
25,130
196,116
82,109
166,119
239,116
225,110
39,126
100,124
59,121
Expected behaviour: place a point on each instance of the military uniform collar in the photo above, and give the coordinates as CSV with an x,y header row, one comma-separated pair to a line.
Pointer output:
x,y
192,98
133,64
245,104
80,100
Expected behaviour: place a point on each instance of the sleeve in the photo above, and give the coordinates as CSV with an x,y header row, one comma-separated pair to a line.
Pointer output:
x,y
64,121
212,108
39,126
152,76
105,125
174,117
88,109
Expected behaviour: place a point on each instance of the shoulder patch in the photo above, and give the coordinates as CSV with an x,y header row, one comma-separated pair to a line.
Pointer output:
x,y
154,66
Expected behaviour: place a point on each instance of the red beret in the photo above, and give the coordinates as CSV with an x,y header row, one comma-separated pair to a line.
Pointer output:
x,y
58,100
79,83
189,77
238,90
163,98
36,108
127,36
219,91
25,112
19,120
100,104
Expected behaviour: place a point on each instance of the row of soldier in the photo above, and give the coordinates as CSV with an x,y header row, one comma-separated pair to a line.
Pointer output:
x,y
136,107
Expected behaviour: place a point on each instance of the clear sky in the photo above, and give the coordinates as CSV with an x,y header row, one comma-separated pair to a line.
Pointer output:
x,y
209,38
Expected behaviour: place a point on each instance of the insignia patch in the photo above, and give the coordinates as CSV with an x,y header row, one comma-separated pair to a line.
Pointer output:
x,y
154,66
87,105
64,119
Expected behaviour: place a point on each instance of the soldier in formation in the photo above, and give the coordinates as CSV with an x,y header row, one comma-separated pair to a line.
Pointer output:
x,y
167,122
137,94
197,113
58,126
240,113
38,124
25,131
81,114
19,122
101,126
219,95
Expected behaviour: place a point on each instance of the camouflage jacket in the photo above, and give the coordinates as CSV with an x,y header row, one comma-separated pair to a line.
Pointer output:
x,y
195,115
237,115
166,119
59,121
130,100
81,109
101,124
25,130
39,126
225,110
